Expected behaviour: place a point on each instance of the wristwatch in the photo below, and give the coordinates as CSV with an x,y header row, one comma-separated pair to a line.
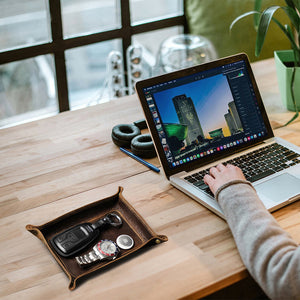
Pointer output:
x,y
105,249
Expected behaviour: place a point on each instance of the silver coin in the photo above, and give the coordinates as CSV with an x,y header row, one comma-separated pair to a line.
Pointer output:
x,y
125,241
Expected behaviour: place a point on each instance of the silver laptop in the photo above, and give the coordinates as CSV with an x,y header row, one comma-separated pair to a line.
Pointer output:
x,y
213,113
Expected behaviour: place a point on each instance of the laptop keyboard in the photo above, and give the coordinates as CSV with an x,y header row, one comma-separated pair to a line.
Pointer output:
x,y
255,165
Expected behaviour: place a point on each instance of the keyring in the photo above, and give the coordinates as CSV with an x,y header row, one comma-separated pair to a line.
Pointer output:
x,y
113,219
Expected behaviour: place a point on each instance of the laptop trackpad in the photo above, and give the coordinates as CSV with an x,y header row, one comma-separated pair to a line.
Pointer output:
x,y
279,188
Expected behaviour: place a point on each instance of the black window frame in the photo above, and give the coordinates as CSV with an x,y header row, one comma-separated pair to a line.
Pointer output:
x,y
58,46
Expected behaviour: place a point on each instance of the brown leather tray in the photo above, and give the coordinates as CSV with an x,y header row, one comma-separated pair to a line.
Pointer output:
x,y
133,225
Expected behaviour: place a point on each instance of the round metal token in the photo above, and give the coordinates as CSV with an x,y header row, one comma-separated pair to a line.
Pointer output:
x,y
125,241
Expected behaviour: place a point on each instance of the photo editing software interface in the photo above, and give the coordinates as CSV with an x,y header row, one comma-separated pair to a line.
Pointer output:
x,y
205,113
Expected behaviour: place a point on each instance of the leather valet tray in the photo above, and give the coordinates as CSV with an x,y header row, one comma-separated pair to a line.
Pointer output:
x,y
133,225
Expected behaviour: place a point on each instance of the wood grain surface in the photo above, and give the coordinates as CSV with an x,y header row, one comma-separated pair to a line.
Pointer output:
x,y
52,166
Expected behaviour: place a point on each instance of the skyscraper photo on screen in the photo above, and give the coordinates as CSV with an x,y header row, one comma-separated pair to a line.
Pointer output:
x,y
198,116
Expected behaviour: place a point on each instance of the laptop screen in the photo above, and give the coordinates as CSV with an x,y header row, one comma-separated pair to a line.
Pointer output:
x,y
206,113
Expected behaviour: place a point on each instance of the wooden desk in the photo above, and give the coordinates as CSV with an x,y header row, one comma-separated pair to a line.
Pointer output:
x,y
52,166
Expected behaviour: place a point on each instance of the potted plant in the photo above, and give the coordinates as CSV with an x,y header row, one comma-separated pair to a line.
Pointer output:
x,y
287,61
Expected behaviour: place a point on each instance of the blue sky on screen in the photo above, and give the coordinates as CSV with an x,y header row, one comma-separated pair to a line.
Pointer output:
x,y
210,96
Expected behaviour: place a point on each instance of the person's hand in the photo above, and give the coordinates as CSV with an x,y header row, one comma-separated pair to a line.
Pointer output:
x,y
221,174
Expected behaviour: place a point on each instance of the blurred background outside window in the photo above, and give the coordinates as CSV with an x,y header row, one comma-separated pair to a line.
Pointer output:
x,y
28,87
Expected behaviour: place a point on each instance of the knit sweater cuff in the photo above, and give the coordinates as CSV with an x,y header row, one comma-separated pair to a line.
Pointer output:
x,y
232,182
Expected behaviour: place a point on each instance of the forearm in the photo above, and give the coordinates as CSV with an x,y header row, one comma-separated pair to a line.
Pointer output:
x,y
268,252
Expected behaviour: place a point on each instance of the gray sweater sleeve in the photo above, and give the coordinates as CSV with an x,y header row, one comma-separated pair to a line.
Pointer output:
x,y
271,256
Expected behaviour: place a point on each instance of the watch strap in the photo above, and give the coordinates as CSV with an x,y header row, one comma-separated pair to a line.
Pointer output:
x,y
87,258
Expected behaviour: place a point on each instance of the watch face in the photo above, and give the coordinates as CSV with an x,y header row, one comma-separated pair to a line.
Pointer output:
x,y
108,248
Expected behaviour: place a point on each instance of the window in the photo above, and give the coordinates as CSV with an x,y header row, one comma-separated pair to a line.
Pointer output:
x,y
49,67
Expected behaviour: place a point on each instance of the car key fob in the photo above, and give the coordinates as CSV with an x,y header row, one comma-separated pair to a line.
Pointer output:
x,y
75,239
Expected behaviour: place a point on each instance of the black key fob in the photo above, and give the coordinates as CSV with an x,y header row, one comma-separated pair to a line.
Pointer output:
x,y
74,240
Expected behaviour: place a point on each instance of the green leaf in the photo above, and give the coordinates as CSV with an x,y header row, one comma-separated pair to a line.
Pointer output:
x,y
294,4
257,7
294,45
290,3
263,27
241,17
288,33
297,4
293,16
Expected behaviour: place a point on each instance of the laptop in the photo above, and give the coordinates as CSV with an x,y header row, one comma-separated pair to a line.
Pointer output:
x,y
213,113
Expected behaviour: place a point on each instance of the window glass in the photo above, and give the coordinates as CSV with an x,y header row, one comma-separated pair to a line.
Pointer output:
x,y
23,23
27,90
144,10
89,16
87,73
